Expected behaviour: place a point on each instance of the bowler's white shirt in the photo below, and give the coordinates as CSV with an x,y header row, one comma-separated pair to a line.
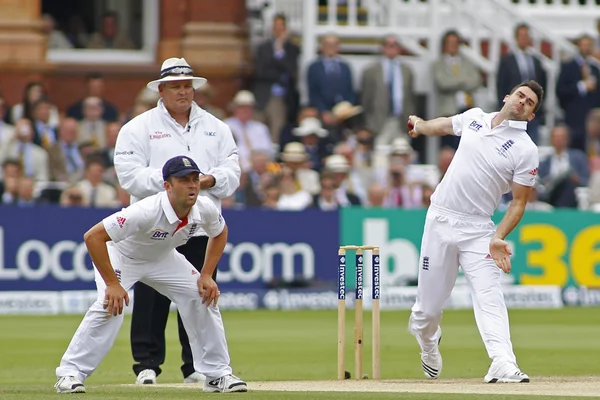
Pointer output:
x,y
149,229
486,163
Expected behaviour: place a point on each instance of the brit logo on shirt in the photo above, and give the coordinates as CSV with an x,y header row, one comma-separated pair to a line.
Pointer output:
x,y
475,126
505,147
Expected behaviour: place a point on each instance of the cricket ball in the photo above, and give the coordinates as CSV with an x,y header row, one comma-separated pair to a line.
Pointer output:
x,y
411,126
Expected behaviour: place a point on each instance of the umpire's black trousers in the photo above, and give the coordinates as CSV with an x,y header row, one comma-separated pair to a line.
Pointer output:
x,y
150,314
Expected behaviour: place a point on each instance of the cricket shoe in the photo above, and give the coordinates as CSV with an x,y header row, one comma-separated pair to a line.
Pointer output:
x,y
225,384
432,361
68,384
195,377
505,372
146,377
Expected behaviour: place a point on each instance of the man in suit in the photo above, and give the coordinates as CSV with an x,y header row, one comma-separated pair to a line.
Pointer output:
x,y
96,193
387,94
578,92
275,75
65,161
518,66
329,80
95,87
563,171
33,158
455,80
92,128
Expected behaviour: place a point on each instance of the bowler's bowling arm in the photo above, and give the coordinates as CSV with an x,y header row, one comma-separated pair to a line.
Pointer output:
x,y
214,250
95,239
434,127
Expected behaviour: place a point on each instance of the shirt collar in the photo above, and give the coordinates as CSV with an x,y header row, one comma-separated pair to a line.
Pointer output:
x,y
193,216
195,113
520,125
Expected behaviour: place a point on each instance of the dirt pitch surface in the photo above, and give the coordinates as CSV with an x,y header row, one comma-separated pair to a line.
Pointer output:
x,y
540,386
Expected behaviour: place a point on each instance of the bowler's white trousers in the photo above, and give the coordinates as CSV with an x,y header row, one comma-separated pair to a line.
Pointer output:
x,y
449,240
172,276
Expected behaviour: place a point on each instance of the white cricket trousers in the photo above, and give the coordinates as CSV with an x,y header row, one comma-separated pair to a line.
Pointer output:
x,y
173,277
451,239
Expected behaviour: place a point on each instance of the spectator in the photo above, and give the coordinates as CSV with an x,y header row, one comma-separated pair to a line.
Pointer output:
x,y
292,197
275,76
44,133
295,157
11,172
76,31
329,80
56,39
107,154
358,179
25,196
258,178
95,192
33,158
271,199
387,93
34,91
92,128
109,36
400,192
326,200
521,65
6,130
72,197
577,91
592,127
249,134
311,135
286,136
95,88
204,96
562,172
444,159
65,161
338,166
376,195
455,79
347,118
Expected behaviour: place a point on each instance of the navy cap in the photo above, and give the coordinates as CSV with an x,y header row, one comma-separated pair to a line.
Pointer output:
x,y
179,166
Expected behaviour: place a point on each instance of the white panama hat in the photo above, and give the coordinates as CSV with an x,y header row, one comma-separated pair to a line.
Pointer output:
x,y
309,126
176,69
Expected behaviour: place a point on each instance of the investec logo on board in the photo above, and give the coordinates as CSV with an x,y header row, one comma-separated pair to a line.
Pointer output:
x,y
342,278
359,277
376,282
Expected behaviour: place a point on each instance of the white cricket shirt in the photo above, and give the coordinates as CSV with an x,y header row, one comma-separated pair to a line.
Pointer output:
x,y
485,164
149,229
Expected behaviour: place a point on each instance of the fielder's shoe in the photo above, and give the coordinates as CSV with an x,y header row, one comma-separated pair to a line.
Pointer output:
x,y
506,372
68,384
195,377
225,384
146,377
432,361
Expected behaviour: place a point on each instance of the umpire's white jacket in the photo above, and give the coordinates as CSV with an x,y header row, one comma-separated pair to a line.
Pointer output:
x,y
146,142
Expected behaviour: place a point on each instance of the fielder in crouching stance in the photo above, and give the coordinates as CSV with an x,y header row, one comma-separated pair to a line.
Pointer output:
x,y
138,244
495,152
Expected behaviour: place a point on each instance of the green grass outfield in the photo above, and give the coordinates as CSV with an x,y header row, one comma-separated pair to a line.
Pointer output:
x,y
301,345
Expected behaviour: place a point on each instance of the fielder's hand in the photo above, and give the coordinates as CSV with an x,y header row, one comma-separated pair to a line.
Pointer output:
x,y
501,252
114,295
208,289
412,122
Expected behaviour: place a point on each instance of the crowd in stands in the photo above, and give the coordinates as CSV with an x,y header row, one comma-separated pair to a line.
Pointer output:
x,y
342,148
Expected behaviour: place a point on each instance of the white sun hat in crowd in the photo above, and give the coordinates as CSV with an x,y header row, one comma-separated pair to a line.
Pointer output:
x,y
309,126
244,98
176,69
337,163
344,110
401,146
294,152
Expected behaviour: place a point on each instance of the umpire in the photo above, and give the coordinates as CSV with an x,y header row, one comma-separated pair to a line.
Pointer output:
x,y
176,126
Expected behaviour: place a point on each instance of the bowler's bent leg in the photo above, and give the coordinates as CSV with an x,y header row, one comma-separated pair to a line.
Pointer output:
x,y
438,269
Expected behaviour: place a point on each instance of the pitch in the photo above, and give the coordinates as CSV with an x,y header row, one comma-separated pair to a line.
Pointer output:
x,y
292,355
